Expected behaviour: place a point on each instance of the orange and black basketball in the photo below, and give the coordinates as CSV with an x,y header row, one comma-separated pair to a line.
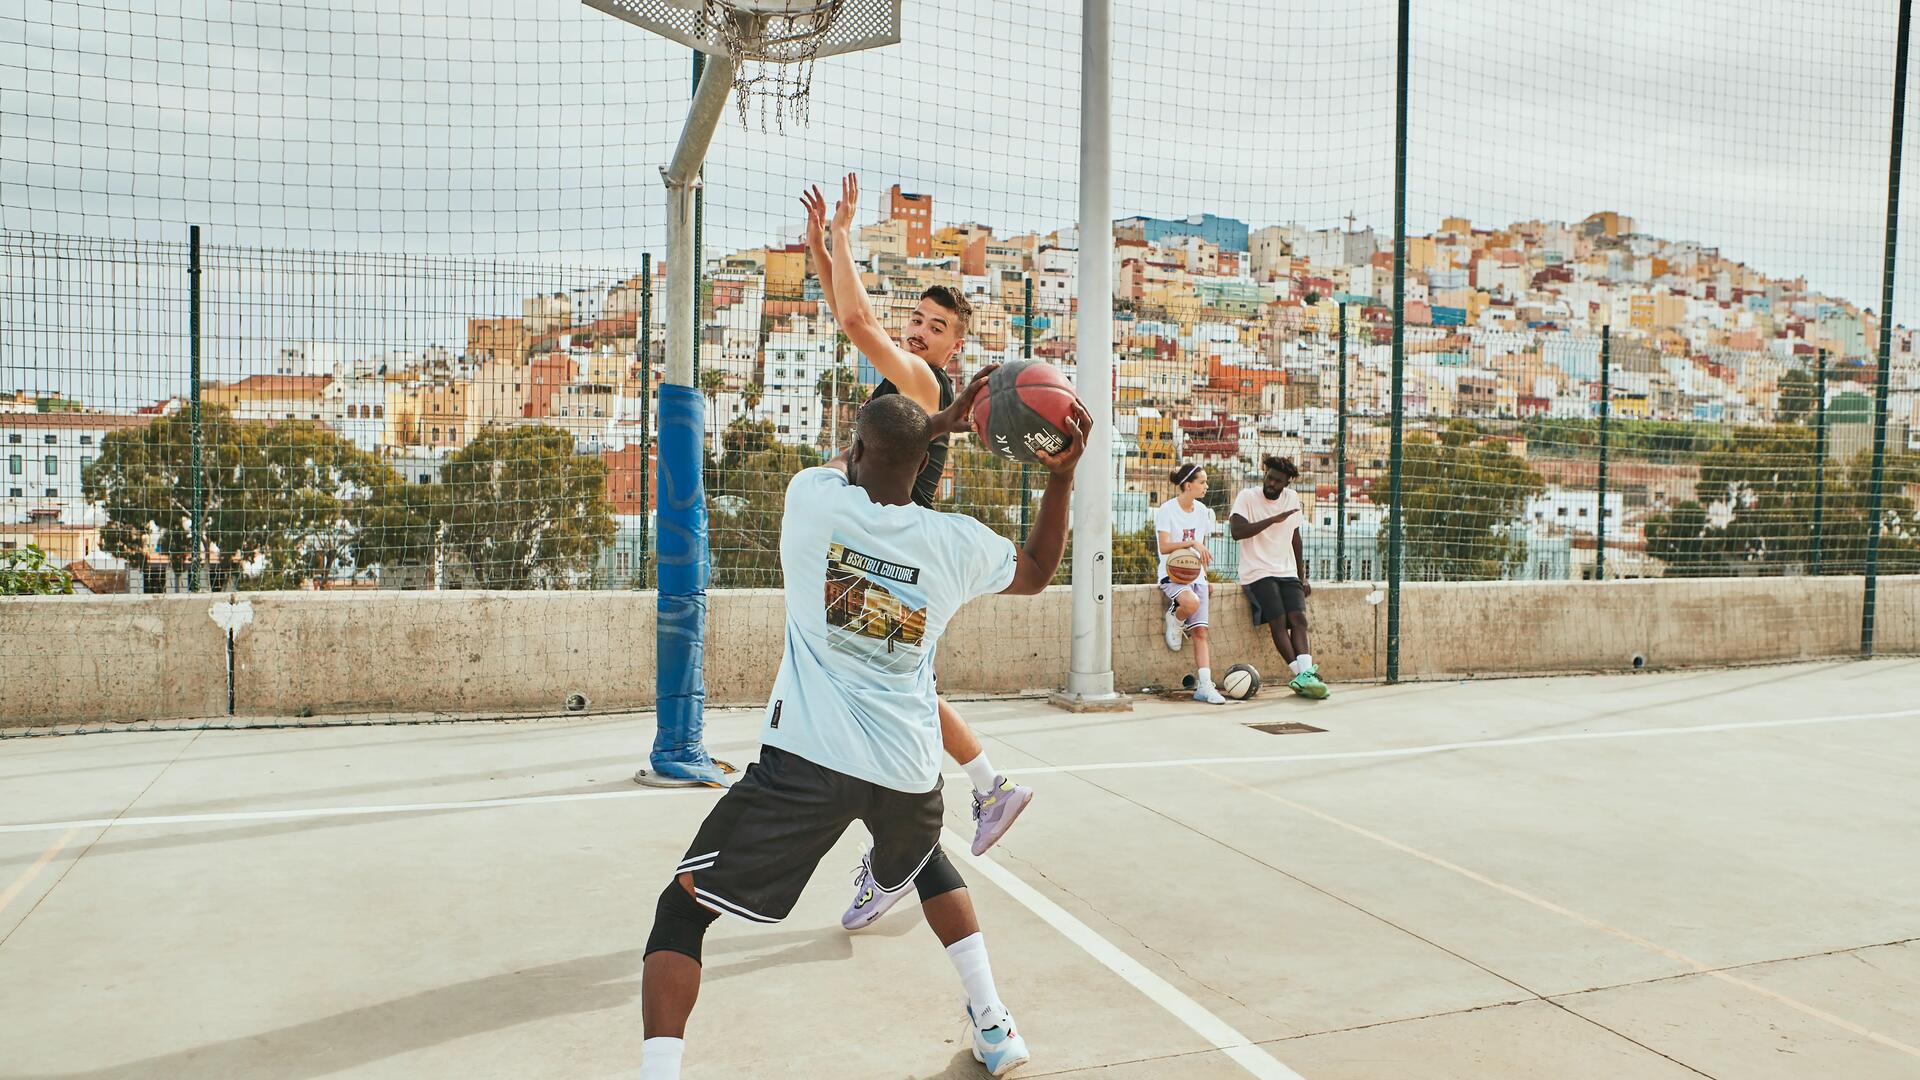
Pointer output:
x,y
1025,408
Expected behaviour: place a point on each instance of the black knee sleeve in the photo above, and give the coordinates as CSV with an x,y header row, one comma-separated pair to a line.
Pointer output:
x,y
937,877
679,924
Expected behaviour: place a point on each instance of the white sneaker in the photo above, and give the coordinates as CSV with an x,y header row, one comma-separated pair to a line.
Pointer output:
x,y
1207,694
1176,634
995,1044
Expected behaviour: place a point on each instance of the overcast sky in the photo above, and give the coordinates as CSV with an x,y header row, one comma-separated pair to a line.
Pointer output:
x,y
531,131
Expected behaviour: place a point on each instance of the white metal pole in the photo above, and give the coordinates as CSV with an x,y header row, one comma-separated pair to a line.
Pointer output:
x,y
1090,681
681,177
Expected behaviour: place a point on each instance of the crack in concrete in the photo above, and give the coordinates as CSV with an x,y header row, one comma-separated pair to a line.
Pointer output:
x,y
75,861
1848,950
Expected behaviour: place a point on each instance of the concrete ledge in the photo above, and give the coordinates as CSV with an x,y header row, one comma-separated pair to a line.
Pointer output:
x,y
119,658
88,659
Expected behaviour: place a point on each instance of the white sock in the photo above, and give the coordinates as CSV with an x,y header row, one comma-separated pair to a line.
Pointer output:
x,y
1306,661
980,771
660,1058
1203,677
1298,664
969,956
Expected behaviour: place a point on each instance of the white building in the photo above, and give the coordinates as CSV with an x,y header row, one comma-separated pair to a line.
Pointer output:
x,y
354,404
1574,511
796,360
43,457
1054,279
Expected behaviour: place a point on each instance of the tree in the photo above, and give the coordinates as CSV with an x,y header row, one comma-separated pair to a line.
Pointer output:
x,y
522,510
712,381
1797,397
1683,540
841,393
1763,479
745,436
404,525
747,492
991,489
750,395
1136,555
1765,476
284,497
1461,493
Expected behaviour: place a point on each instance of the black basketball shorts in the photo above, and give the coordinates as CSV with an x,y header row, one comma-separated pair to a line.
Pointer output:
x,y
1271,598
761,842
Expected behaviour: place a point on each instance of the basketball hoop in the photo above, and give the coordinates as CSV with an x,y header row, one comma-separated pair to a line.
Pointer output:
x,y
773,43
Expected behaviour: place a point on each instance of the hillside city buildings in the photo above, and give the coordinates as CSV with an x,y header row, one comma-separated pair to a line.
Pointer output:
x,y
1228,347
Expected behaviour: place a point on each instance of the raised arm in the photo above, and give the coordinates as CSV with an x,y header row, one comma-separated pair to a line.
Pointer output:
x,y
816,204
909,374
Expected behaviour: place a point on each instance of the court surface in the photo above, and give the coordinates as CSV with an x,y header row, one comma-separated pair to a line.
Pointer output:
x,y
1687,874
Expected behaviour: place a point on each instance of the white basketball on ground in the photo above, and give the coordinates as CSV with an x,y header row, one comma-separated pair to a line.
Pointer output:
x,y
1240,682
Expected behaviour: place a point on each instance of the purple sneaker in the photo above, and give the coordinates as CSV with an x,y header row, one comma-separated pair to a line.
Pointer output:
x,y
994,812
870,901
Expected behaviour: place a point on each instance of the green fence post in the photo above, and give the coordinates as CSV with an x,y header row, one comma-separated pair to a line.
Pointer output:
x,y
1819,460
1877,485
197,558
1394,539
645,338
1340,460
1026,352
1606,414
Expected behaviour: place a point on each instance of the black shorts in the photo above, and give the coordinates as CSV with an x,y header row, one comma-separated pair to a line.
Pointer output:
x,y
760,843
1273,598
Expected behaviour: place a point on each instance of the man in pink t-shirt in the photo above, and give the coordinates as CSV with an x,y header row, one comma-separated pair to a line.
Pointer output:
x,y
1273,574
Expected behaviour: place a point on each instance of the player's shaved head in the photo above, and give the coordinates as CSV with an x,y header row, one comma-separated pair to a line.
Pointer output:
x,y
890,438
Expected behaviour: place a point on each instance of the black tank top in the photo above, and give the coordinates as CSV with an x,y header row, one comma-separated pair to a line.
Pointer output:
x,y
926,486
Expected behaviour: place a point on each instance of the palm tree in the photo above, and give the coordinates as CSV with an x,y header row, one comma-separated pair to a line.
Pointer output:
x,y
712,381
750,396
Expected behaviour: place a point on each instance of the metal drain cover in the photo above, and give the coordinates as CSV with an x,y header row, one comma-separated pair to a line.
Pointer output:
x,y
1285,729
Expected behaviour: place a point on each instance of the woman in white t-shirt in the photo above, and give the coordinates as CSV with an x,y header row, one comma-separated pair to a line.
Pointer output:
x,y
1184,523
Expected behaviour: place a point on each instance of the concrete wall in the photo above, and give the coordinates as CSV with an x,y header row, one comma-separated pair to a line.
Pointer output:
x,y
76,658
115,658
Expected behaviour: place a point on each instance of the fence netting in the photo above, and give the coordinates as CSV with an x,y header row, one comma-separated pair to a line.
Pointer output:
x,y
415,342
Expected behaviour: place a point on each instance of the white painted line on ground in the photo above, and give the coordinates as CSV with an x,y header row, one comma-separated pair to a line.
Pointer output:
x,y
1222,1035
1475,744
349,811
1095,766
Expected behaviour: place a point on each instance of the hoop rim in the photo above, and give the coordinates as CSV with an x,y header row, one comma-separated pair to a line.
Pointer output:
x,y
861,25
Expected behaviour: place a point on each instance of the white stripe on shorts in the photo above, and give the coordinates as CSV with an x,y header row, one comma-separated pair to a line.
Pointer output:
x,y
728,907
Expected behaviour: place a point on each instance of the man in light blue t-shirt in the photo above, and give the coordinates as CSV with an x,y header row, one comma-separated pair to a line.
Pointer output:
x,y
851,733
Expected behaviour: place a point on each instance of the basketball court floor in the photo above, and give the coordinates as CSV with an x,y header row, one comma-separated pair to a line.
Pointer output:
x,y
1688,874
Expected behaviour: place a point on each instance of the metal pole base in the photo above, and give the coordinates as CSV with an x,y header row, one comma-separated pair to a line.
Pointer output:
x,y
1070,701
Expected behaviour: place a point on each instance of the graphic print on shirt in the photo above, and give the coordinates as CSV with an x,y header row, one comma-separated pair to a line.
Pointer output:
x,y
876,609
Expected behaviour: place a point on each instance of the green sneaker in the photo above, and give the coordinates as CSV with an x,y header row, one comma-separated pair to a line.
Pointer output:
x,y
1308,685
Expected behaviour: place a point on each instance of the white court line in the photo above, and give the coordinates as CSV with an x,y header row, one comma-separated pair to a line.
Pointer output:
x,y
349,811
1096,766
1222,1035
1477,744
